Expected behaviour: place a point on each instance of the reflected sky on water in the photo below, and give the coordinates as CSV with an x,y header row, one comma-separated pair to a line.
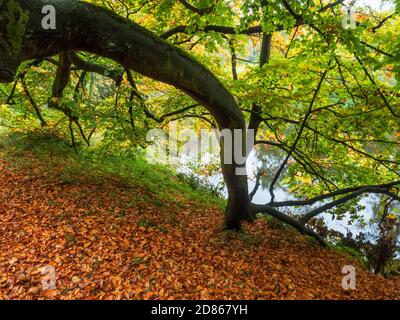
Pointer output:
x,y
269,161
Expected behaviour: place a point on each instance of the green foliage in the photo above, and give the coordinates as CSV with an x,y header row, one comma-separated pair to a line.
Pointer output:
x,y
196,183
351,252
16,25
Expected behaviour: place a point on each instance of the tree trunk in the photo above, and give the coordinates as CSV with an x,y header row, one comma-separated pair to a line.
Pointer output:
x,y
81,26
237,209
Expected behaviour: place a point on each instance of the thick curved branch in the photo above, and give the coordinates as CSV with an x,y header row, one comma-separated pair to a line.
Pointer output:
x,y
123,41
138,49
268,210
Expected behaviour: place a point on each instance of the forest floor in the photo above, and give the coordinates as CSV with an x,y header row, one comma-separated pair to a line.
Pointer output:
x,y
110,238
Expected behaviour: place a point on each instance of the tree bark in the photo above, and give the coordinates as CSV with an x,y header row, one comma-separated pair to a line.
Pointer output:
x,y
82,26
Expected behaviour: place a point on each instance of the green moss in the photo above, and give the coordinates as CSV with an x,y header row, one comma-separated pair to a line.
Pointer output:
x,y
153,36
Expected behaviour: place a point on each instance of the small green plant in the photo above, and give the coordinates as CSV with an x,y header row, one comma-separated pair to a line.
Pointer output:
x,y
145,223
247,238
137,261
65,215
53,203
150,224
228,235
100,166
88,213
350,252
95,264
70,238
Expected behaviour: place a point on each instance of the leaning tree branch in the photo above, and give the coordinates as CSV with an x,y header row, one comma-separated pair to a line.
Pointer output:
x,y
313,213
268,210
377,49
301,159
311,201
87,66
382,22
300,224
12,92
264,58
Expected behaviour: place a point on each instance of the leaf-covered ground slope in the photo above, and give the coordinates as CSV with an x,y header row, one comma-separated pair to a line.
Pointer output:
x,y
109,240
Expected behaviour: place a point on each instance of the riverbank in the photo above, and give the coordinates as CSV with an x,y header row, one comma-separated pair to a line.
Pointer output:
x,y
110,237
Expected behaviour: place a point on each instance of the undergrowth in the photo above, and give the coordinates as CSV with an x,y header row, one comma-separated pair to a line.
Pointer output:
x,y
96,165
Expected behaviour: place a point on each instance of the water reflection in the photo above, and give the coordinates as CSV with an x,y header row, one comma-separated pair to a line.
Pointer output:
x,y
268,160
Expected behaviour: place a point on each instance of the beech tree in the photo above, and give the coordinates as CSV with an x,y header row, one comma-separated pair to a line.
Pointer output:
x,y
23,38
278,100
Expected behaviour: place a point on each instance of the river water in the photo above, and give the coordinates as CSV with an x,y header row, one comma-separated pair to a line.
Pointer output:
x,y
269,161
